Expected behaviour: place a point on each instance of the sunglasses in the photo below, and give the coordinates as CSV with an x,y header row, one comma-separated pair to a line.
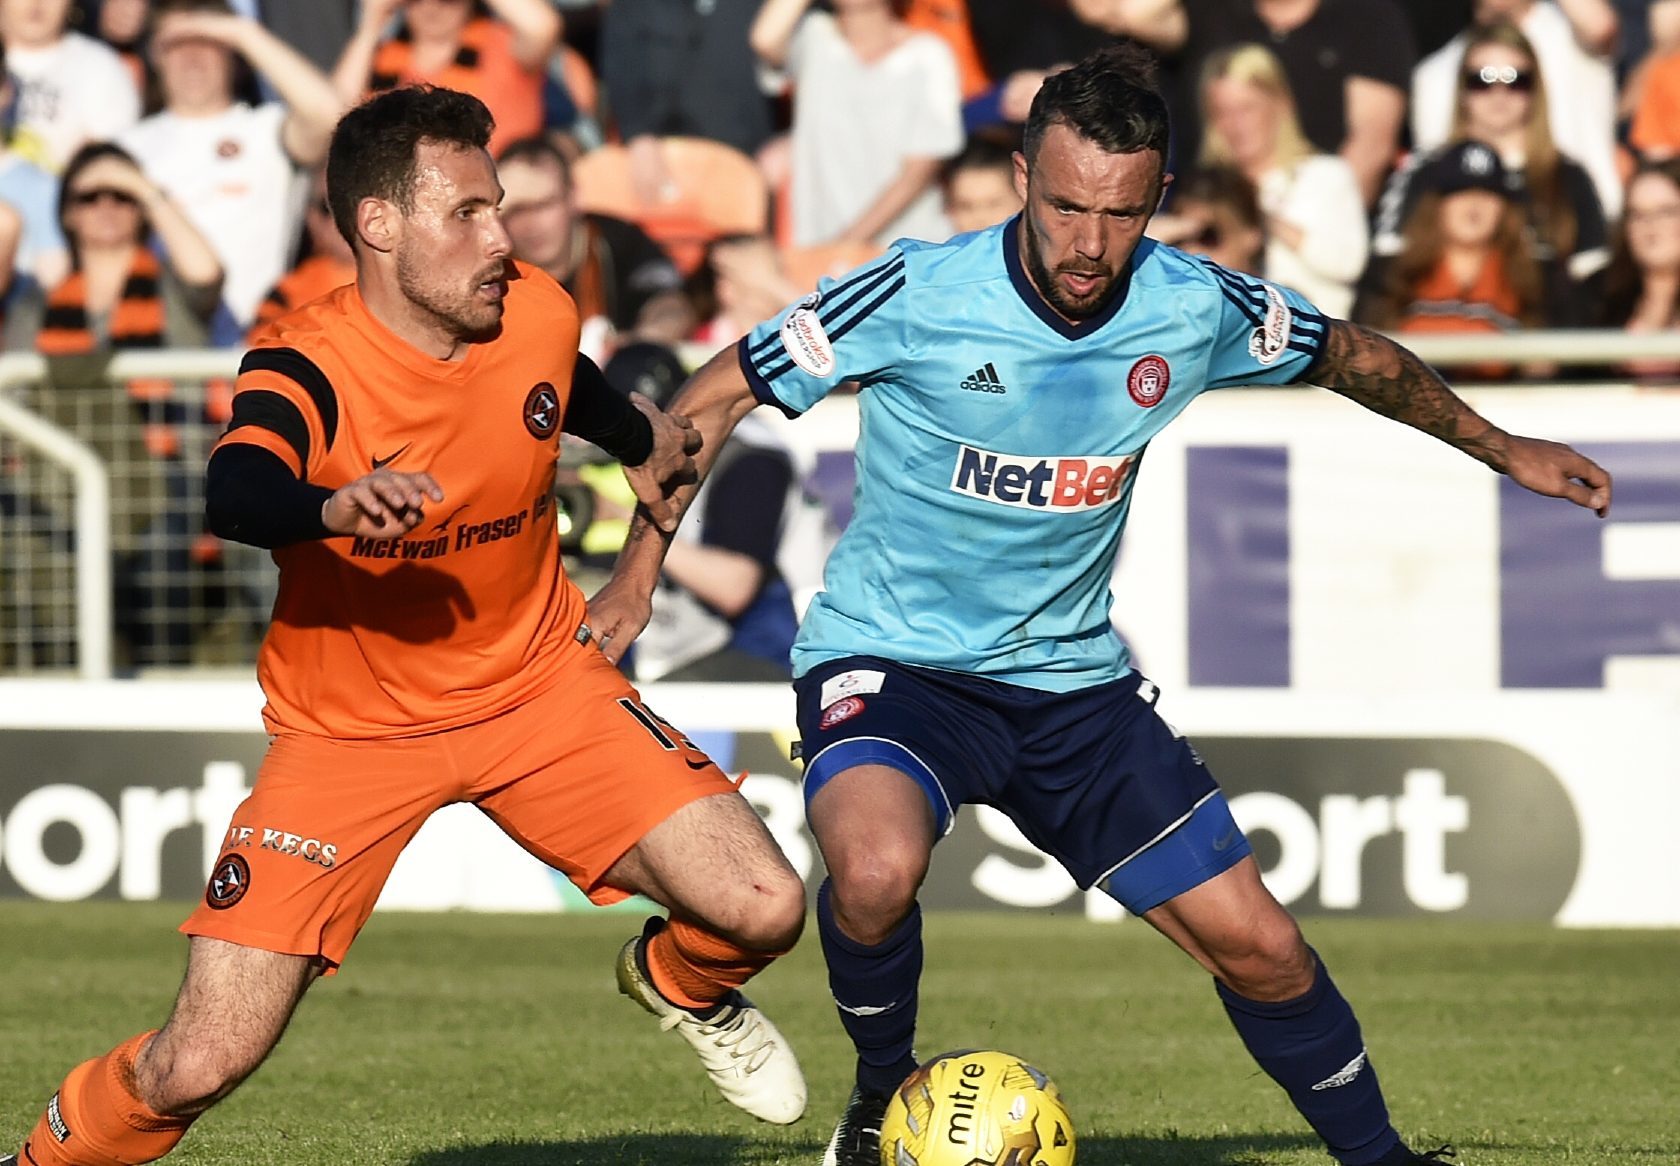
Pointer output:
x,y
1507,76
89,197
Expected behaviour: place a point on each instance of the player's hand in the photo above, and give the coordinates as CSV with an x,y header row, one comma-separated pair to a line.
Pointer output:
x,y
617,614
385,504
1557,471
671,464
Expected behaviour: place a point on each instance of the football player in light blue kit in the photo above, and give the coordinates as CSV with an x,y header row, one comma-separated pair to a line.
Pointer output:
x,y
961,650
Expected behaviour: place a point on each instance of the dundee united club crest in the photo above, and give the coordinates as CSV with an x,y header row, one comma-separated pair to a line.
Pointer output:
x,y
228,882
542,410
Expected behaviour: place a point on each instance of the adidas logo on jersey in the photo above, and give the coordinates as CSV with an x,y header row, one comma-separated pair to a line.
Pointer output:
x,y
984,380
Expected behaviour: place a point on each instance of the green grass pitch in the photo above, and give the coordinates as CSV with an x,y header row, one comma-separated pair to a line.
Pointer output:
x,y
471,1040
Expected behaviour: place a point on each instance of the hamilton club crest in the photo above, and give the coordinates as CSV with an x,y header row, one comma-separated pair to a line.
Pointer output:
x,y
1147,382
542,410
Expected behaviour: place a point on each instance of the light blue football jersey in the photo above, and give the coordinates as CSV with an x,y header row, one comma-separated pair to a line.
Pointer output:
x,y
999,444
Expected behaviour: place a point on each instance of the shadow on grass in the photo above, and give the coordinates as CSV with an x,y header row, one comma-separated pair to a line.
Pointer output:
x,y
724,1150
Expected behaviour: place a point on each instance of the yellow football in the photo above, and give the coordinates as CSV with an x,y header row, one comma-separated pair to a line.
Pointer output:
x,y
977,1107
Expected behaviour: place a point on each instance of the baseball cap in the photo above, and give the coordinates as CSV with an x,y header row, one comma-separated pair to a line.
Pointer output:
x,y
1466,165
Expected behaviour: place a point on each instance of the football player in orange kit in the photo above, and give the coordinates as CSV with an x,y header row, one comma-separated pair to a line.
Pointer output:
x,y
395,444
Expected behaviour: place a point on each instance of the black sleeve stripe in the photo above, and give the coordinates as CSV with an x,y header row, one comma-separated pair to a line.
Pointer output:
x,y
834,338
271,411
827,314
295,366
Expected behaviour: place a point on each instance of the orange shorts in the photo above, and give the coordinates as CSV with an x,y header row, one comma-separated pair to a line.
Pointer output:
x,y
577,776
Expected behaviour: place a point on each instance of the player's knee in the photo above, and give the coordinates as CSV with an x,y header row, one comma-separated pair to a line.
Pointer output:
x,y
1269,961
776,916
872,893
184,1080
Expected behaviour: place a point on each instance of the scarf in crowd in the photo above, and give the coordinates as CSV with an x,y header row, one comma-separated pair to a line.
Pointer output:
x,y
136,320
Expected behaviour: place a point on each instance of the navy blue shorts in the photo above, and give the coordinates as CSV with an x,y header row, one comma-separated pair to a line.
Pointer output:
x,y
1094,778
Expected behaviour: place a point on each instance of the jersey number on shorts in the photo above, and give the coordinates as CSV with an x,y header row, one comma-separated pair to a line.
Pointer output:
x,y
669,738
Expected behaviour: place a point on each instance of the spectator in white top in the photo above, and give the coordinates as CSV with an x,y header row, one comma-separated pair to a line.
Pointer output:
x,y
237,170
72,89
1316,236
1572,42
877,108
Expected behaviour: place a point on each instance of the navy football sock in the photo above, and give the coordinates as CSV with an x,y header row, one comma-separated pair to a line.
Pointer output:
x,y
874,988
1311,1046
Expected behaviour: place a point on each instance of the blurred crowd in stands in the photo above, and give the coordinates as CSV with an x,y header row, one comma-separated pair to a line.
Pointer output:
x,y
686,168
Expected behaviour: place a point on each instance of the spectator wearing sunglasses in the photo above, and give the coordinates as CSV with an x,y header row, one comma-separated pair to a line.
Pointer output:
x,y
1571,44
1215,214
142,277
120,293
1502,100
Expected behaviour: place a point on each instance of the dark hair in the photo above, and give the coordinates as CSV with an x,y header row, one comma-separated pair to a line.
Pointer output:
x,y
538,150
79,161
1222,186
981,154
1109,98
1624,279
372,152
168,7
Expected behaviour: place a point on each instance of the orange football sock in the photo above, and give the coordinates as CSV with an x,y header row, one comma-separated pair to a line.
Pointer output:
x,y
96,1120
696,968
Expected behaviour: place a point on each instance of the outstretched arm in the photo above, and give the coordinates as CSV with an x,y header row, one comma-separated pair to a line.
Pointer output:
x,y
1379,374
714,399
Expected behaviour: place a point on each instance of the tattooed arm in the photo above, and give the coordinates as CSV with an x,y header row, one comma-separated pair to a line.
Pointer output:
x,y
1379,374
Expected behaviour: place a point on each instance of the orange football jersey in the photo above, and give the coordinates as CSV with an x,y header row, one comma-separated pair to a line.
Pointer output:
x,y
462,617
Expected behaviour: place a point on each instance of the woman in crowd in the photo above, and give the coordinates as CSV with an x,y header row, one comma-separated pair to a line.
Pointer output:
x,y
142,277
1501,100
1314,214
1464,264
1642,282
120,293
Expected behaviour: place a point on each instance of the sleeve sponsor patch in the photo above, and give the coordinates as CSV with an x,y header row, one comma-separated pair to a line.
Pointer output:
x,y
806,341
1271,336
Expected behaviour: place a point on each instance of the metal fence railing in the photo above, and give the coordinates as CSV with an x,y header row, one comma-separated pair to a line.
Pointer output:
x,y
105,565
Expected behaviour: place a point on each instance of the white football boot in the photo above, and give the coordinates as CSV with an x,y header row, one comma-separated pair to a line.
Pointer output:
x,y
747,1059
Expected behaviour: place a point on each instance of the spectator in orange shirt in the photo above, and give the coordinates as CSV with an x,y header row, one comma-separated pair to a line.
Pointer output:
x,y
1465,265
497,50
325,264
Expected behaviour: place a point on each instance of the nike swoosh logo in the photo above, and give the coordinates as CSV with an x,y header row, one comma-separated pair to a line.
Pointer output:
x,y
380,463
698,764
1227,841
